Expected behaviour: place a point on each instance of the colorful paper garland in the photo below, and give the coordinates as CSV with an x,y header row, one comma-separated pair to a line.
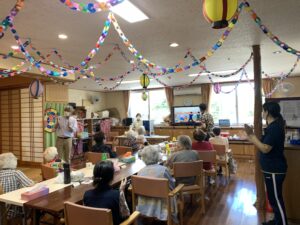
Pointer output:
x,y
11,16
268,33
91,7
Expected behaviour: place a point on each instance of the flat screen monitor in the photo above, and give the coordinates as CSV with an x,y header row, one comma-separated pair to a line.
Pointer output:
x,y
224,123
186,115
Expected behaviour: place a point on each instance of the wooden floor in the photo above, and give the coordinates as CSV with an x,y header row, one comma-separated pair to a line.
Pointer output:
x,y
230,204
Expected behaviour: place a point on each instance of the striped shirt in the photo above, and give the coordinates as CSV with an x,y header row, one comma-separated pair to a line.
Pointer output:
x,y
11,180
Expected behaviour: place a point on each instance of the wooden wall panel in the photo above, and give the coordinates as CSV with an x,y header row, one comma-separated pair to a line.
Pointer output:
x,y
32,127
10,122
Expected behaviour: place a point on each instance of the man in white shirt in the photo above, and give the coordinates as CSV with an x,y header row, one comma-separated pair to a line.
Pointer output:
x,y
217,139
66,128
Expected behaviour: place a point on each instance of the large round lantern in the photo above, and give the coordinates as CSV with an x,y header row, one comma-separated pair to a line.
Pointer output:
x,y
219,12
144,81
36,89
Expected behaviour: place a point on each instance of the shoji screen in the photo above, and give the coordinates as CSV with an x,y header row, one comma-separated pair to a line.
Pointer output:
x,y
31,127
10,122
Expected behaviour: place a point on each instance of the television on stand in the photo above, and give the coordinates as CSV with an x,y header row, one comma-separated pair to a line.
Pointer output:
x,y
186,115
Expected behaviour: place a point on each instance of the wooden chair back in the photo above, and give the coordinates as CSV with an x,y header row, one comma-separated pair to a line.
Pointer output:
x,y
188,169
77,215
121,150
208,156
220,149
159,186
111,135
1,190
48,172
94,157
153,188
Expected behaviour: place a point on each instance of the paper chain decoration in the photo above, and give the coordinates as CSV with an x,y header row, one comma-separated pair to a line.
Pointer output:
x,y
84,68
91,7
11,16
168,70
268,33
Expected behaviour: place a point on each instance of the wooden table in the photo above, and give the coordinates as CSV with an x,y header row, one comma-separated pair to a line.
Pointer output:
x,y
53,203
153,139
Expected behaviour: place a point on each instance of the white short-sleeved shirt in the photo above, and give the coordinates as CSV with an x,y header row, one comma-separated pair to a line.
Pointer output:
x,y
219,140
63,130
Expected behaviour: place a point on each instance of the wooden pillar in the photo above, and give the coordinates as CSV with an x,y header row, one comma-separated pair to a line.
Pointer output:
x,y
259,180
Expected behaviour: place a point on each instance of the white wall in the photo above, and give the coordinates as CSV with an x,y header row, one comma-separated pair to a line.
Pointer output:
x,y
78,97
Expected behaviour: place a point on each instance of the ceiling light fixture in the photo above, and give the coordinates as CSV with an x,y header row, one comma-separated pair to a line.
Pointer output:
x,y
62,36
131,61
174,45
15,47
130,81
277,52
217,72
128,12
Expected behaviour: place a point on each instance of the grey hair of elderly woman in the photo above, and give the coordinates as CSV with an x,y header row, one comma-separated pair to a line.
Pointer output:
x,y
141,130
184,142
150,155
8,161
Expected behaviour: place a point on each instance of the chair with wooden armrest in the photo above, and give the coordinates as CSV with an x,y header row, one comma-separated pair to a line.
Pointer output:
x,y
191,169
209,156
157,188
222,159
48,172
94,157
121,150
78,215
111,138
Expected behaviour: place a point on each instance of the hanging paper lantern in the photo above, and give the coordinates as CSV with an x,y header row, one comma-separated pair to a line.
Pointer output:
x,y
144,81
219,12
217,88
144,96
36,89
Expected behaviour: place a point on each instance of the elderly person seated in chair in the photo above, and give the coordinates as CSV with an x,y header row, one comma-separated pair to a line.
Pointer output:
x,y
152,207
12,179
201,145
51,159
184,153
131,140
104,196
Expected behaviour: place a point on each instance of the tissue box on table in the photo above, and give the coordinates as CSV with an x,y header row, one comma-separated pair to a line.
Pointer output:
x,y
35,193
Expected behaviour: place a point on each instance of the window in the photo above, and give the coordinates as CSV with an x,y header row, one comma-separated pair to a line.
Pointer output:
x,y
157,102
237,106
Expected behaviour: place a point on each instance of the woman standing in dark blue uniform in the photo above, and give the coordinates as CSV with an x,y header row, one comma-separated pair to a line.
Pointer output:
x,y
272,159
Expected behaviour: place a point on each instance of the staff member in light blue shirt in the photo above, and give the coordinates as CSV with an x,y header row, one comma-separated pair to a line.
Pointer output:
x,y
65,130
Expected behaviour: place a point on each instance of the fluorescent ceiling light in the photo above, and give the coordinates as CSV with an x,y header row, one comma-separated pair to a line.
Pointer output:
x,y
174,45
217,72
130,81
128,12
15,47
62,36
277,52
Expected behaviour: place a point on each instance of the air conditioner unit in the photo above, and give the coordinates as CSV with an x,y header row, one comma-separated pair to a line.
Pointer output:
x,y
188,91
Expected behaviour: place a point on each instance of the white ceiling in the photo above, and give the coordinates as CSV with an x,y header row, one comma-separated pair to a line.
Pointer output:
x,y
170,21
